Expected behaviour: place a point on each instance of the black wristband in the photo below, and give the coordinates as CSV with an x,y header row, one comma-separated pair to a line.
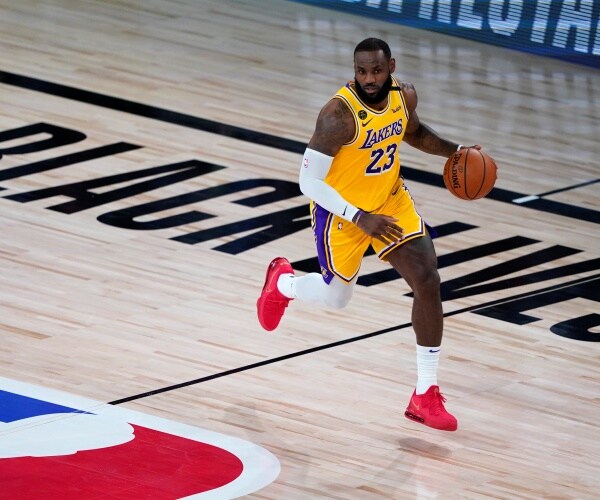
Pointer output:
x,y
357,216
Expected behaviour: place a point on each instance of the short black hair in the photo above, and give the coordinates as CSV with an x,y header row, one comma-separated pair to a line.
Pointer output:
x,y
373,45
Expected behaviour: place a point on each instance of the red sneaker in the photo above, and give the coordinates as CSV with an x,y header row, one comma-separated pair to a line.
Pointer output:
x,y
428,409
271,304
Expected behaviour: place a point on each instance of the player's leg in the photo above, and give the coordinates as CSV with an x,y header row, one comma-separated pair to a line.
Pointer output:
x,y
312,288
415,259
416,262
282,285
340,248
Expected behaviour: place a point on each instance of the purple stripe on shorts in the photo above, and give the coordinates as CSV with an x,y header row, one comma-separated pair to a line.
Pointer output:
x,y
321,226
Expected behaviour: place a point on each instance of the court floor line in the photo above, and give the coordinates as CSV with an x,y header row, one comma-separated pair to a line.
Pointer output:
x,y
148,111
526,199
256,137
348,341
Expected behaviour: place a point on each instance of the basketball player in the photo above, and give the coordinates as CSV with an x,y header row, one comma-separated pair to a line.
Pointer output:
x,y
351,172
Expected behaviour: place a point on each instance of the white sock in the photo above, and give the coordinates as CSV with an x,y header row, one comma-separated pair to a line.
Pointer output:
x,y
427,364
286,285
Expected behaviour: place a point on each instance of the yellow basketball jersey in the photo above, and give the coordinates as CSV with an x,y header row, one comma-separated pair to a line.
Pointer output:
x,y
365,170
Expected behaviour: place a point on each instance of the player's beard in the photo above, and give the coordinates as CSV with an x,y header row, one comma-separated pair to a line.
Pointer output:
x,y
381,94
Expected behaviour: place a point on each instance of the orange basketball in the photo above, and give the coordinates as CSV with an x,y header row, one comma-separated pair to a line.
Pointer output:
x,y
470,174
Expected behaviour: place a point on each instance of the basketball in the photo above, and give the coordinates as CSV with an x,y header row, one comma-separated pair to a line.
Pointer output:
x,y
470,174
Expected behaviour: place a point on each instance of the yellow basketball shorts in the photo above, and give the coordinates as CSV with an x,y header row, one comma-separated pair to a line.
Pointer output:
x,y
341,245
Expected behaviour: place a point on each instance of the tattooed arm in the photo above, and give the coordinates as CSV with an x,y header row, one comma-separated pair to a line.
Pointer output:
x,y
418,134
335,127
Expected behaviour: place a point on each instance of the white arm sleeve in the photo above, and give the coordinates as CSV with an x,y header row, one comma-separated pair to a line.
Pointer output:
x,y
313,171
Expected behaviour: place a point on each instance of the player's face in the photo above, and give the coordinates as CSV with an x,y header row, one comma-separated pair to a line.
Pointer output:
x,y
372,73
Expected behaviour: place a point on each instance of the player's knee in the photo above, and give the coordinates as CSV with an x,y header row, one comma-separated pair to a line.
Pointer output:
x,y
338,301
421,277
428,279
432,277
339,296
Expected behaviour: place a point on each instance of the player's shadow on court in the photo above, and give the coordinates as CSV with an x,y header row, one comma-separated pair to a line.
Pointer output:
x,y
424,448
403,471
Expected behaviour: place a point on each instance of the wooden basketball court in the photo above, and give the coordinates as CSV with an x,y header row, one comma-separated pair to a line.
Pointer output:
x,y
149,174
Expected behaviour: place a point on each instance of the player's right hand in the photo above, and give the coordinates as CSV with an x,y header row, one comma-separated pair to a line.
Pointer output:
x,y
381,227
